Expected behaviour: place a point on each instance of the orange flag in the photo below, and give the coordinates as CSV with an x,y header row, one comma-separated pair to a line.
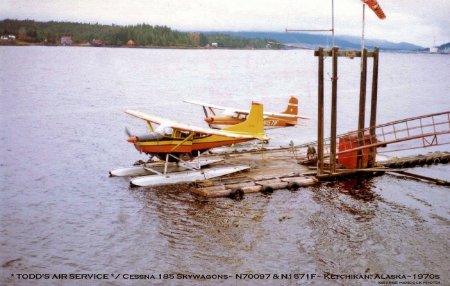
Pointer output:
x,y
373,4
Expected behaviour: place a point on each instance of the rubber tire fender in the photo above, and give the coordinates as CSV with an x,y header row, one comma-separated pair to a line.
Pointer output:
x,y
267,190
236,194
293,186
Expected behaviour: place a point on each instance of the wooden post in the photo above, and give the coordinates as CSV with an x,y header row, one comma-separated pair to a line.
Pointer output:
x,y
320,116
362,106
333,112
373,107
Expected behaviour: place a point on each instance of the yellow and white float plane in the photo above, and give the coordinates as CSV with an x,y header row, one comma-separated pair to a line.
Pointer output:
x,y
171,141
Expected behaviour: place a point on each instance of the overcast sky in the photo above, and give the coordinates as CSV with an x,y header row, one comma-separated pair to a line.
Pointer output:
x,y
416,21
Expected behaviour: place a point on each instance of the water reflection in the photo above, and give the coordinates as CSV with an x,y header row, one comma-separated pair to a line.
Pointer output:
x,y
355,196
218,233
343,225
359,188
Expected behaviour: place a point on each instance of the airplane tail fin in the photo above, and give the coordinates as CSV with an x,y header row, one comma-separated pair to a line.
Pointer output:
x,y
253,125
292,107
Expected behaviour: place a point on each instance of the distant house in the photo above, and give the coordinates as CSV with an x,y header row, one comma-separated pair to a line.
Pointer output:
x,y
66,40
97,43
7,37
215,45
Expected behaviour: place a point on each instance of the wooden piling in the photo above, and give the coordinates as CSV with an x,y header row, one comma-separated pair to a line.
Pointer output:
x,y
333,112
320,118
362,106
373,108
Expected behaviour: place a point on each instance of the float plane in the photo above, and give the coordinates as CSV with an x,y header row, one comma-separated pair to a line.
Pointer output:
x,y
232,116
176,142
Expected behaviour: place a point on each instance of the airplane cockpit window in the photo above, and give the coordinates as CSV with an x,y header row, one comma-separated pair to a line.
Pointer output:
x,y
242,116
183,134
199,135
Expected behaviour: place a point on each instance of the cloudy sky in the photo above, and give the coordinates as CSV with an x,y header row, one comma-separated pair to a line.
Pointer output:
x,y
416,21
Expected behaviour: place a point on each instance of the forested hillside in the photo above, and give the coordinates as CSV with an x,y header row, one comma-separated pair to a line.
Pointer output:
x,y
115,35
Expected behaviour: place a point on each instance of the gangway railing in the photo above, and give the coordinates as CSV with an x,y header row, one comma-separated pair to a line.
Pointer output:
x,y
429,129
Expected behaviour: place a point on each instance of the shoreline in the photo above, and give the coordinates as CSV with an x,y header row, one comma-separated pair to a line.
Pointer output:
x,y
25,44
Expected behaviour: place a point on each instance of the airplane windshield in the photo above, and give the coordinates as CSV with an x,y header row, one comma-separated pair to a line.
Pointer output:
x,y
164,130
229,112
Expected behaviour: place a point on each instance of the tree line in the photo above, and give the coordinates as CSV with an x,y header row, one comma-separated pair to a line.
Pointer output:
x,y
115,35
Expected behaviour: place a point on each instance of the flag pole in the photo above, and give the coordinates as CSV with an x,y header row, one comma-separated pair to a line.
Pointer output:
x,y
363,24
332,21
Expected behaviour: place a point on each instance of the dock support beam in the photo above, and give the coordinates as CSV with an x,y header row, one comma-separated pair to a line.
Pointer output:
x,y
362,106
320,115
373,108
333,112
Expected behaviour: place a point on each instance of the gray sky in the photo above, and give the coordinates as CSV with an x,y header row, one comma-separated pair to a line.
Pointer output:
x,y
414,21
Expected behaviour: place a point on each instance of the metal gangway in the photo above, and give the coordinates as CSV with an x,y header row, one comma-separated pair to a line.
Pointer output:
x,y
428,130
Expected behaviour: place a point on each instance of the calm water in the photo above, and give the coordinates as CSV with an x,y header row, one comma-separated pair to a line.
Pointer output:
x,y
62,130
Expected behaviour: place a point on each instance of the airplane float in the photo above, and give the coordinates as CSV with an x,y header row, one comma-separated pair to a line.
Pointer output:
x,y
176,142
232,116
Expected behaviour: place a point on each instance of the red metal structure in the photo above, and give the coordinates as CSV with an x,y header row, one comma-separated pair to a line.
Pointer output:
x,y
347,154
423,131
426,130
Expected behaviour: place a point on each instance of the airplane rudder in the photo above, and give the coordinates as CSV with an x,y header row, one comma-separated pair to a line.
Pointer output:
x,y
253,124
293,100
292,107
256,115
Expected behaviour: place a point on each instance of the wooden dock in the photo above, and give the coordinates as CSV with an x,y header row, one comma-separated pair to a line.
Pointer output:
x,y
280,168
271,169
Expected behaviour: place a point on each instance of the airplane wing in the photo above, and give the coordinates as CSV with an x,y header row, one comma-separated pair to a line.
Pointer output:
x,y
208,105
184,127
243,111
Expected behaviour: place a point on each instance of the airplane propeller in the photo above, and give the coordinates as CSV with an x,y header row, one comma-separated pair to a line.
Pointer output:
x,y
127,131
132,138
206,112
